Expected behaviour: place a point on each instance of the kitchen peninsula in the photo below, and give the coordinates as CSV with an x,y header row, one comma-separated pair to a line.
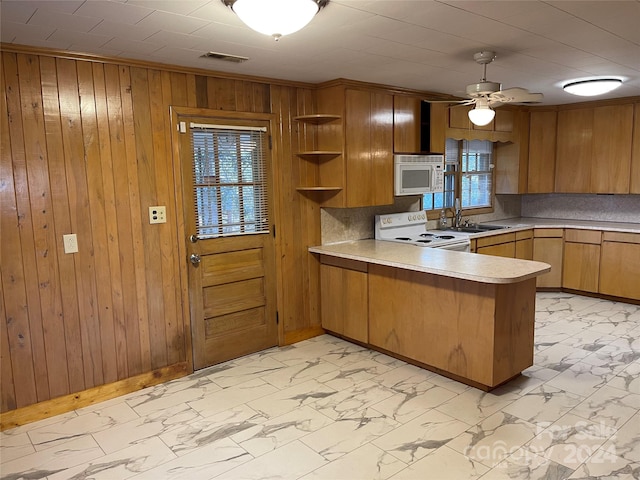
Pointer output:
x,y
469,317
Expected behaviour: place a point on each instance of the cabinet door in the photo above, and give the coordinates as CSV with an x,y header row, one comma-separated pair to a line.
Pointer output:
x,y
369,148
524,249
344,299
620,269
542,152
635,154
549,250
611,161
581,266
406,124
574,151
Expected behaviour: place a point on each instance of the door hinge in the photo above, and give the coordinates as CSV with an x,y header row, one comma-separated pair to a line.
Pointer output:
x,y
270,142
273,228
277,318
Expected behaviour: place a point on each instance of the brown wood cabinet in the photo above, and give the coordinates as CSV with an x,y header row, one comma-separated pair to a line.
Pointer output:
x,y
524,245
365,172
510,244
620,265
581,260
593,153
542,151
406,124
634,183
344,297
548,248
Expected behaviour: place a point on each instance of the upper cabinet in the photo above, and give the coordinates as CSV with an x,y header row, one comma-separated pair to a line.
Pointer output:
x,y
594,145
407,124
634,186
354,159
542,151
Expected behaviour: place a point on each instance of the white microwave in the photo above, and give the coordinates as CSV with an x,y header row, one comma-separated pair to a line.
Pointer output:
x,y
418,174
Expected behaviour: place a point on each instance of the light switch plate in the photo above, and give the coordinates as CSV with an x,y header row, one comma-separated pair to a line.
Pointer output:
x,y
158,214
70,243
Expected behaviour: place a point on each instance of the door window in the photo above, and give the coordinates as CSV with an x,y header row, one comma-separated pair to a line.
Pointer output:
x,y
230,180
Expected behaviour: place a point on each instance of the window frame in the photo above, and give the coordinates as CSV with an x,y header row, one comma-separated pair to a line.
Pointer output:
x,y
434,214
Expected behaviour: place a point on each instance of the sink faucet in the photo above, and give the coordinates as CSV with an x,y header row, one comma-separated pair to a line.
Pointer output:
x,y
457,218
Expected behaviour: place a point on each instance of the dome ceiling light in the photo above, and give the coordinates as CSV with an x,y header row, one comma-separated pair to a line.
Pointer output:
x,y
592,87
276,17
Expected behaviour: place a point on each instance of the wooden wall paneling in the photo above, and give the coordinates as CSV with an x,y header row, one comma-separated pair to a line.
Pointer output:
x,y
179,89
97,241
26,338
121,237
61,209
75,167
13,299
140,88
138,328
261,98
170,265
46,252
112,251
202,95
221,93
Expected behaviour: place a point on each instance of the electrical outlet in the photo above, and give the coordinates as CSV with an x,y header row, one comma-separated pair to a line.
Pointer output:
x,y
70,243
158,214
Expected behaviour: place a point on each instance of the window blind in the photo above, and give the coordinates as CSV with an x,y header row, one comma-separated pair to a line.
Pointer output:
x,y
229,180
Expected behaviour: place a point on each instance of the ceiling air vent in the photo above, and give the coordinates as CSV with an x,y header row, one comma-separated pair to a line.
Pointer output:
x,y
225,57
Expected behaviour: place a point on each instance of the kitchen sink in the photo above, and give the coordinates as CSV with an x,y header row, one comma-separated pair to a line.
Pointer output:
x,y
476,228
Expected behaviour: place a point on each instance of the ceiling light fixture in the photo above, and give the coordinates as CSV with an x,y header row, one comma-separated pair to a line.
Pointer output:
x,y
592,87
482,114
276,17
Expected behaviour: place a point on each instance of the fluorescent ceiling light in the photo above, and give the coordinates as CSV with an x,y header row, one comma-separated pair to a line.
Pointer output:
x,y
276,17
482,114
592,87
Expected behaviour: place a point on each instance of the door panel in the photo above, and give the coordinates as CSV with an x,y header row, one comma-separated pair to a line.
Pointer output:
x,y
232,282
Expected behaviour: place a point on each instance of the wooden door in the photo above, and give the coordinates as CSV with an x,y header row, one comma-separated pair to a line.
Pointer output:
x,y
227,188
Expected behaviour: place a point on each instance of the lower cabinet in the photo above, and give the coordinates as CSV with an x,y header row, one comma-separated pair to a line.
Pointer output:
x,y
344,297
500,245
581,261
620,265
547,248
524,245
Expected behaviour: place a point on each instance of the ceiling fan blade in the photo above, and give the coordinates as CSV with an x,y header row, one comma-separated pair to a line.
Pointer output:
x,y
516,95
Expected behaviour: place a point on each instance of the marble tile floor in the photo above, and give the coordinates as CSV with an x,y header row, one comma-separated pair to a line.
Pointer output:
x,y
328,409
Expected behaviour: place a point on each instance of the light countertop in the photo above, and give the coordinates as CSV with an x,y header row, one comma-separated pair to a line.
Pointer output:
x,y
478,268
532,222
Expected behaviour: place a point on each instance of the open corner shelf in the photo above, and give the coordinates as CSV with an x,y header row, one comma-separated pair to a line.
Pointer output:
x,y
317,118
319,189
319,155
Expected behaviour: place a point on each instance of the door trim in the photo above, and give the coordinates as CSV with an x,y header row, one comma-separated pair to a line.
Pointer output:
x,y
179,114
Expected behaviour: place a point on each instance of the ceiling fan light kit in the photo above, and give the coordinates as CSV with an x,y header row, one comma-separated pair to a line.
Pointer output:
x,y
592,87
486,94
276,17
481,115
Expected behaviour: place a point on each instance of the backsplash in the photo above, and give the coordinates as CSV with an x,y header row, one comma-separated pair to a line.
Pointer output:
x,y
606,208
343,224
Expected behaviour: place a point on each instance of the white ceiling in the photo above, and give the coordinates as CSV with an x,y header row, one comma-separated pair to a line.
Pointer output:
x,y
418,44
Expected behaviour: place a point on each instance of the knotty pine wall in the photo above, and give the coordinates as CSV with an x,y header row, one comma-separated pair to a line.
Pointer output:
x,y
86,150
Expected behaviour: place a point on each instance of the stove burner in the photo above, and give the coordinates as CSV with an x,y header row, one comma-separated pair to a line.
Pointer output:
x,y
424,241
404,238
427,235
446,237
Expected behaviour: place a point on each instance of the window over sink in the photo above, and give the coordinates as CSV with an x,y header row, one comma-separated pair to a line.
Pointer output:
x,y
468,176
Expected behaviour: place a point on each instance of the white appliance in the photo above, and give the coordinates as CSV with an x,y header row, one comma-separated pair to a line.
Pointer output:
x,y
410,228
418,174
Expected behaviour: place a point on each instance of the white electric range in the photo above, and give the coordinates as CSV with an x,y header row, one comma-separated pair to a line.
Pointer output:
x,y
410,228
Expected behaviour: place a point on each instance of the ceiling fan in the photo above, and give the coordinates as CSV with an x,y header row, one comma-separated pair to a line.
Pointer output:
x,y
486,94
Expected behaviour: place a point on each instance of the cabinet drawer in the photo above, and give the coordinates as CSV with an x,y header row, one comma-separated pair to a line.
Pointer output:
x,y
583,236
524,234
347,263
496,239
621,237
548,233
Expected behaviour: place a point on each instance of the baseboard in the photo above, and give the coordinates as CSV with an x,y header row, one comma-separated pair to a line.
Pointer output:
x,y
67,403
302,334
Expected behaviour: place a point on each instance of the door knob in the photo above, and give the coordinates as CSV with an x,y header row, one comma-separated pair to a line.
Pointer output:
x,y
193,238
194,258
